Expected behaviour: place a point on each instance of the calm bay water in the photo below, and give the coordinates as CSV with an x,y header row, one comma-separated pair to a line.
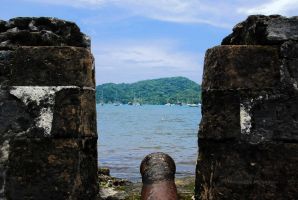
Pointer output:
x,y
128,133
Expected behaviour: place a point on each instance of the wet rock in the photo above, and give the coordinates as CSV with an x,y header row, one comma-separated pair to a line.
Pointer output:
x,y
112,194
104,171
112,188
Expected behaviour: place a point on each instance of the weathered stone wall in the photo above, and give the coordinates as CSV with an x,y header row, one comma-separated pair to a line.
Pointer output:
x,y
48,133
248,136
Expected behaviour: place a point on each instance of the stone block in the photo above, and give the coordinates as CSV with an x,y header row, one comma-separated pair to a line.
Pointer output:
x,y
242,171
56,112
74,114
269,116
241,67
51,169
47,66
250,116
220,115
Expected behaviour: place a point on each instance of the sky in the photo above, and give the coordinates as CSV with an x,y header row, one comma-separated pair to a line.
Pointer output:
x,y
136,40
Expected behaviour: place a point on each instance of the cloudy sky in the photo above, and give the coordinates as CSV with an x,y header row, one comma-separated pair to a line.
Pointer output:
x,y
143,39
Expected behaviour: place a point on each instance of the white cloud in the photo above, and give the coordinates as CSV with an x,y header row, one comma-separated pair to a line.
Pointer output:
x,y
131,61
178,11
216,13
283,7
91,4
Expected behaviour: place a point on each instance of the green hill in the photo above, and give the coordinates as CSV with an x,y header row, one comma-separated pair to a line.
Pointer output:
x,y
156,91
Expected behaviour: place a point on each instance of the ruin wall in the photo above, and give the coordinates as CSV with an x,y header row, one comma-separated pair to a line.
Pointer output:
x,y
248,138
48,135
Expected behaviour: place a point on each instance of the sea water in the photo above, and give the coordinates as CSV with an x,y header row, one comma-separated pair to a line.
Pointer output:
x,y
128,133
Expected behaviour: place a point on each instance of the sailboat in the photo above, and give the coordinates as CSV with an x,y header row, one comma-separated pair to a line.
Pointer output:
x,y
116,103
193,105
136,102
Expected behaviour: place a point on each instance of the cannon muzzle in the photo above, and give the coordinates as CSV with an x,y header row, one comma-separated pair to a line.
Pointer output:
x,y
158,177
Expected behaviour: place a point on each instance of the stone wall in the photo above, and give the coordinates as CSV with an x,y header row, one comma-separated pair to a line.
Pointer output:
x,y
248,136
48,133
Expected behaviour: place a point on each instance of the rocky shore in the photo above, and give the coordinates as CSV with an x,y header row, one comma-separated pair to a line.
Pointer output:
x,y
112,188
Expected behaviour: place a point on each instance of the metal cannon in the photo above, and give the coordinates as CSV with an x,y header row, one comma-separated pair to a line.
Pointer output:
x,y
158,177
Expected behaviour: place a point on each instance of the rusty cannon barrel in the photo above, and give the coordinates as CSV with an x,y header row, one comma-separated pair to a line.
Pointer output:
x,y
158,177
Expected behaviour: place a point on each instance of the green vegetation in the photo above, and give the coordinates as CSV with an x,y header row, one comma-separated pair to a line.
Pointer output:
x,y
157,91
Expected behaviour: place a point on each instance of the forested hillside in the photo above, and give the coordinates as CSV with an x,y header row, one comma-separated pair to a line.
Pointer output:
x,y
156,91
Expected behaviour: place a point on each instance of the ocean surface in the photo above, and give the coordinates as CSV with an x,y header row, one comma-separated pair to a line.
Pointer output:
x,y
128,133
